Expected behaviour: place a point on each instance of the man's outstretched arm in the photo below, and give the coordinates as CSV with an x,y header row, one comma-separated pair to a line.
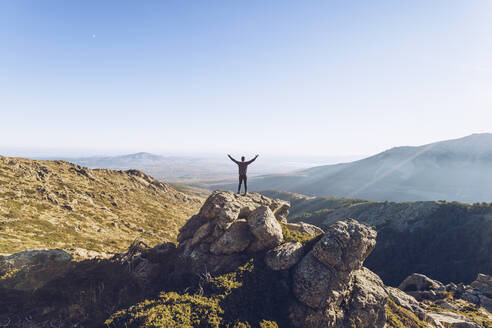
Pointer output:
x,y
232,159
254,159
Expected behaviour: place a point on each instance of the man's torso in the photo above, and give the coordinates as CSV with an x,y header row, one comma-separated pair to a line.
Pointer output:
x,y
243,168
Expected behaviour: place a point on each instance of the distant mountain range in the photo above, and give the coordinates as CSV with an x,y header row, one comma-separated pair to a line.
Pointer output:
x,y
169,168
459,169
198,169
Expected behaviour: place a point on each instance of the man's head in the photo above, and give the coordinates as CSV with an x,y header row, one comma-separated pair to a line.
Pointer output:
x,y
243,158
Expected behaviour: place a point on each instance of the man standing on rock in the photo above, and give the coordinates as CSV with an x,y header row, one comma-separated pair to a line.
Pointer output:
x,y
243,168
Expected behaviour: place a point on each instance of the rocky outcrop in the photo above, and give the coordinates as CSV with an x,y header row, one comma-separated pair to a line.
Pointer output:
x,y
266,229
483,283
423,288
445,305
234,240
331,286
238,260
285,256
229,226
225,207
29,270
416,284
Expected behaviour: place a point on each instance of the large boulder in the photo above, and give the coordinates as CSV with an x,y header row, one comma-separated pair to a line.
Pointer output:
x,y
235,239
332,288
417,282
202,232
345,245
367,300
265,228
231,225
189,228
32,269
452,320
225,207
317,285
448,303
483,283
481,291
284,256
222,208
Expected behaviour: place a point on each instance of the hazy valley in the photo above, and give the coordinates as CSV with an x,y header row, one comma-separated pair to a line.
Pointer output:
x,y
453,170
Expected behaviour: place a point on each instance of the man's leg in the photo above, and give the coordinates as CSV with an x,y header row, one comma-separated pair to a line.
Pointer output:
x,y
240,182
245,178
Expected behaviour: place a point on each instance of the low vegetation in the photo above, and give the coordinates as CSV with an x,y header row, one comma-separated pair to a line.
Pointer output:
x,y
296,236
250,296
471,311
399,317
55,204
448,241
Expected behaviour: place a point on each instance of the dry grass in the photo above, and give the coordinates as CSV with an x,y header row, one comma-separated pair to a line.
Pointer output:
x,y
55,204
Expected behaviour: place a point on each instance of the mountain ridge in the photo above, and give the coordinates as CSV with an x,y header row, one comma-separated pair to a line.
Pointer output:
x,y
448,241
458,169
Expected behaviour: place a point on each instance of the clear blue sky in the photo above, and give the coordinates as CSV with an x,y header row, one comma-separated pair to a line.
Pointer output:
x,y
280,77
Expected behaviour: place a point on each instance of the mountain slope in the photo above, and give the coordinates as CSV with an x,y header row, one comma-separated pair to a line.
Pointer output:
x,y
56,204
237,264
450,242
458,170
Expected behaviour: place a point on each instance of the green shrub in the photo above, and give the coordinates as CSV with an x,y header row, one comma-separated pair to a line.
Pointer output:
x,y
250,296
296,236
171,310
399,317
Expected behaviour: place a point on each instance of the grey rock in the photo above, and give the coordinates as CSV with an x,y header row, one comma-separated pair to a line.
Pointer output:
x,y
30,258
221,207
317,285
407,302
483,283
331,274
345,245
225,207
282,210
202,232
366,306
37,267
284,256
418,282
265,228
452,320
486,302
470,297
188,229
235,239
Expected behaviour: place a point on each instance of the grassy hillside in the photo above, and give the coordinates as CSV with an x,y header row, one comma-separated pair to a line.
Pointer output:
x,y
56,204
448,241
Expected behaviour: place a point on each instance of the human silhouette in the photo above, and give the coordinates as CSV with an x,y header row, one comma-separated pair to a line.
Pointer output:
x,y
243,169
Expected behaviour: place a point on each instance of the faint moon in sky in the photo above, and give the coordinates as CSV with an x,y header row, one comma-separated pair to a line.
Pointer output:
x,y
93,36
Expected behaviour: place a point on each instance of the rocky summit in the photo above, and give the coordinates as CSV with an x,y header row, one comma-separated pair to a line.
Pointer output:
x,y
237,263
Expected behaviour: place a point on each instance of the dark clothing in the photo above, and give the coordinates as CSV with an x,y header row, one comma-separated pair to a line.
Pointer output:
x,y
243,169
243,166
243,177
